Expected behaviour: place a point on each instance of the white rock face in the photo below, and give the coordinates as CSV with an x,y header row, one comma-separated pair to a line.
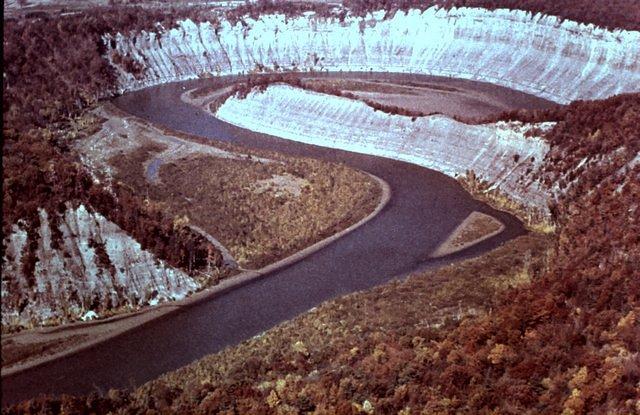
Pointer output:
x,y
498,153
70,280
560,61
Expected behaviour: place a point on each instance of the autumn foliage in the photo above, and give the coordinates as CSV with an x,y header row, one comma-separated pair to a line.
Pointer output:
x,y
567,342
53,65
616,14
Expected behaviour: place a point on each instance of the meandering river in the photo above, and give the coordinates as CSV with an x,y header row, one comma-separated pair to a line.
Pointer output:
x,y
424,208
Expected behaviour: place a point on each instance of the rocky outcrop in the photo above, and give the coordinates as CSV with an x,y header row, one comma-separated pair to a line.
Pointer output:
x,y
496,153
95,266
560,61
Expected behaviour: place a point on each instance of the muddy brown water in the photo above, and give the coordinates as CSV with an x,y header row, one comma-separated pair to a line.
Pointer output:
x,y
425,207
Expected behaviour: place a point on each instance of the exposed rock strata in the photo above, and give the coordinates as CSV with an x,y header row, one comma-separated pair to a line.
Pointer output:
x,y
498,153
541,55
561,61
71,279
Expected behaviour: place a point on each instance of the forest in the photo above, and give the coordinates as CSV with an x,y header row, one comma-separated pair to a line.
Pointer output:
x,y
612,14
568,342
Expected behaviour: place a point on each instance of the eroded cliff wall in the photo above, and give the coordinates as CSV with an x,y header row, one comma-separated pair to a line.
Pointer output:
x,y
560,61
94,268
497,153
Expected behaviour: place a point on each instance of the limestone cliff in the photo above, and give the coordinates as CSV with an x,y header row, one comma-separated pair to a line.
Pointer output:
x,y
95,268
557,60
496,153
560,61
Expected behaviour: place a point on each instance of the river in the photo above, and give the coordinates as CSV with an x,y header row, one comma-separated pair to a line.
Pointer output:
x,y
424,208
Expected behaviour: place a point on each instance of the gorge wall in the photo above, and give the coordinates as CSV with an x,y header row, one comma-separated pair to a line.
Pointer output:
x,y
560,61
497,153
95,267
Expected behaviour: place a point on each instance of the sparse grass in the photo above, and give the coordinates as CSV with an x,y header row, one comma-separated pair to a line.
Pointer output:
x,y
258,227
478,226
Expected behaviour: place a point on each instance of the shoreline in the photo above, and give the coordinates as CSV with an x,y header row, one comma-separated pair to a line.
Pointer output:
x,y
119,324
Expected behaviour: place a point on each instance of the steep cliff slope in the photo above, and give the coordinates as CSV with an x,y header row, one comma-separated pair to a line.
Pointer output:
x,y
95,268
72,245
561,61
496,153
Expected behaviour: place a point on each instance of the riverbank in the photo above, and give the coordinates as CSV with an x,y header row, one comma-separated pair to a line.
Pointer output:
x,y
37,347
389,243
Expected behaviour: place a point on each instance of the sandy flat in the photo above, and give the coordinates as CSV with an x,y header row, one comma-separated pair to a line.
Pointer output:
x,y
476,228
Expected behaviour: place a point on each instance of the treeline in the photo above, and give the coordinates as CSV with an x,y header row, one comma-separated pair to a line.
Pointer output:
x,y
261,82
554,344
255,9
583,132
53,66
612,14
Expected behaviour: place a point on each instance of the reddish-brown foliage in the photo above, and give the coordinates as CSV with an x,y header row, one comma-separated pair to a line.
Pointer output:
x,y
613,14
53,66
567,342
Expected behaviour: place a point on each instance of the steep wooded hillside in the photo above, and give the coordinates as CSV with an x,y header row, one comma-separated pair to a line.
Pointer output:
x,y
567,342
